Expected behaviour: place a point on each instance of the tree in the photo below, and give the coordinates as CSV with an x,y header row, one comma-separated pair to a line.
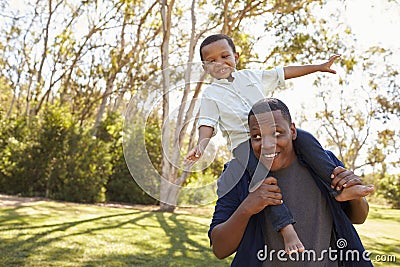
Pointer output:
x,y
231,15
88,59
357,126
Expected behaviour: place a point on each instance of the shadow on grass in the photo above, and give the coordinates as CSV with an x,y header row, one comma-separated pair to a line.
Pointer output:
x,y
27,242
384,214
388,247
185,250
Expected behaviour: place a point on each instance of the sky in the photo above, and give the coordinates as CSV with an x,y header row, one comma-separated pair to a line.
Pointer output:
x,y
374,22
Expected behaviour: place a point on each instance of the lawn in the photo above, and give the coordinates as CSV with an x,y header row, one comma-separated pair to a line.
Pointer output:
x,y
47,233
381,235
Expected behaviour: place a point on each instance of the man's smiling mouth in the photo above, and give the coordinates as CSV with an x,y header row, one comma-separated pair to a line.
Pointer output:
x,y
271,155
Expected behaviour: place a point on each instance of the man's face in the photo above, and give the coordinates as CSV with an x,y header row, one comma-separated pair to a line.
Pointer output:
x,y
271,139
220,60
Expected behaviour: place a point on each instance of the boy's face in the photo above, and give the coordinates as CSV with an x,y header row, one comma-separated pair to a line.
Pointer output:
x,y
271,138
220,60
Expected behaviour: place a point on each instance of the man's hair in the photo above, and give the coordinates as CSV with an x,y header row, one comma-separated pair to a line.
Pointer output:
x,y
268,105
216,37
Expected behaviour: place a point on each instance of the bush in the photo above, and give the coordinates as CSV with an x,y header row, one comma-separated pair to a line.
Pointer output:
x,y
51,155
389,188
121,187
17,167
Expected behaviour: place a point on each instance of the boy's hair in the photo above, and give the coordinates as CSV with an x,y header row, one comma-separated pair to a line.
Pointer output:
x,y
268,105
216,37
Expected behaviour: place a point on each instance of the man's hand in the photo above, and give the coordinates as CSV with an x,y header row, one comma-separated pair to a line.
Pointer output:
x,y
353,188
326,67
267,194
343,178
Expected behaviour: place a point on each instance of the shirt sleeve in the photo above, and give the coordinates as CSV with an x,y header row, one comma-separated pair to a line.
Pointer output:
x,y
273,78
227,203
344,205
224,209
209,113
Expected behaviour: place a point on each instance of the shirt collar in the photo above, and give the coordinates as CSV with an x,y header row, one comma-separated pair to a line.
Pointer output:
x,y
225,81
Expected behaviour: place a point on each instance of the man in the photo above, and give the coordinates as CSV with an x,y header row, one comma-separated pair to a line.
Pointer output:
x,y
239,223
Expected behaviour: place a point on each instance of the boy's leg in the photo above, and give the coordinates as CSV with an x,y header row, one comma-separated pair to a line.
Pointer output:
x,y
280,216
309,149
258,172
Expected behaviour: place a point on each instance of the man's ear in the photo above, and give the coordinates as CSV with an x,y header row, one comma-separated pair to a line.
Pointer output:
x,y
293,131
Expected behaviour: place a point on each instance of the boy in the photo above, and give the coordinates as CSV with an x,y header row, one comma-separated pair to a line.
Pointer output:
x,y
227,102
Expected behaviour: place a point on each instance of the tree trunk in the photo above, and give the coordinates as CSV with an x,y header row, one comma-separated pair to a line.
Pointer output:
x,y
168,195
166,179
103,104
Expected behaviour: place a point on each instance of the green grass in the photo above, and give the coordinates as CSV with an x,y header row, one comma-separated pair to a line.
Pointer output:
x,y
65,234
47,233
381,235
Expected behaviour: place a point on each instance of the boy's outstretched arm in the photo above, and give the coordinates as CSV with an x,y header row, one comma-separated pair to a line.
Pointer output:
x,y
205,134
298,71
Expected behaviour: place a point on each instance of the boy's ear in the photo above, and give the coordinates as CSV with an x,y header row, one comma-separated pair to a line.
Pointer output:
x,y
237,57
203,66
293,131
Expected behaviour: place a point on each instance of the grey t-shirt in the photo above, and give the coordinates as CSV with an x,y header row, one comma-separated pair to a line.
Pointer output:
x,y
313,220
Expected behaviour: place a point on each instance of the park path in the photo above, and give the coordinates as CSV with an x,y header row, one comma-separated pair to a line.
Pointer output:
x,y
15,201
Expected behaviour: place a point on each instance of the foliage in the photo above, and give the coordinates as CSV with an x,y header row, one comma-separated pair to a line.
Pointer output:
x,y
205,181
120,186
389,187
53,157
15,141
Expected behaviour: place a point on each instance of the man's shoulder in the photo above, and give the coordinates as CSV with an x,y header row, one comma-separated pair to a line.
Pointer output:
x,y
233,175
330,154
233,166
334,158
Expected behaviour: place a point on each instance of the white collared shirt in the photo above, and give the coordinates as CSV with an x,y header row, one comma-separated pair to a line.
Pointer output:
x,y
227,104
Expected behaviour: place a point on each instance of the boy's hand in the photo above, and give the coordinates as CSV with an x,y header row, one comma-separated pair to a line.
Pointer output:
x,y
326,67
193,156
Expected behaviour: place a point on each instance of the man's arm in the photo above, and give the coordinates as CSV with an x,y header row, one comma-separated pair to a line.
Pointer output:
x,y
298,71
354,192
226,236
358,210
